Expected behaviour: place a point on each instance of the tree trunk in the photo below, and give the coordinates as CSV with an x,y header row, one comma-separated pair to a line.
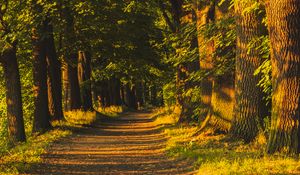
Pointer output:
x,y
205,14
153,95
222,102
185,71
116,91
122,94
284,24
84,77
41,119
130,96
139,94
66,86
16,131
75,99
146,93
54,76
250,108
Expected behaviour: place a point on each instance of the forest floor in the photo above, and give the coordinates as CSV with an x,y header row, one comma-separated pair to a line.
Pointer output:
x,y
130,144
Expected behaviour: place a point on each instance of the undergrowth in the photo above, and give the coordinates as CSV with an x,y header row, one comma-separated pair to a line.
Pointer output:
x,y
20,158
217,154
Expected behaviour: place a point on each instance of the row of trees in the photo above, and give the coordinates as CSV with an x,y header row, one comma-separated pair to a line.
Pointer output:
x,y
241,74
74,56
230,65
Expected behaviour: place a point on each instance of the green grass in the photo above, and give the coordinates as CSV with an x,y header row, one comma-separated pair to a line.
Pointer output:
x,y
20,158
219,155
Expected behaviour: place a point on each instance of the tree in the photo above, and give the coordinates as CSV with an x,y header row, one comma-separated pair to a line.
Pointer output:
x,y
84,77
72,87
8,59
9,62
41,119
216,41
250,108
284,24
205,12
54,74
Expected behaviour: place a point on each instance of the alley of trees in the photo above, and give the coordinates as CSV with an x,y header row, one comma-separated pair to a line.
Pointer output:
x,y
229,65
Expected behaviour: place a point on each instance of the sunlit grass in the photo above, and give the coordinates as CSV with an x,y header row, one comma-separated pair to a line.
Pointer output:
x,y
80,117
21,157
112,111
166,115
219,155
24,155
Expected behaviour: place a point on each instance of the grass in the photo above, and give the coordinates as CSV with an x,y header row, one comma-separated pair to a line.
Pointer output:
x,y
219,155
20,158
112,111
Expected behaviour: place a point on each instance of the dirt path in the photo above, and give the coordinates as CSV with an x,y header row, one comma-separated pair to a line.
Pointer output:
x,y
131,144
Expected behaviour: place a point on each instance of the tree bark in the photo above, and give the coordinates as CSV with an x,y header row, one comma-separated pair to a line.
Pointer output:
x,y
16,131
284,25
250,108
205,14
131,97
84,77
41,119
75,99
66,86
54,75
139,94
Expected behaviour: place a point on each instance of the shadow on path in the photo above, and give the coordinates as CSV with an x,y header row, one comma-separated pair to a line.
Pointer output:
x,y
131,144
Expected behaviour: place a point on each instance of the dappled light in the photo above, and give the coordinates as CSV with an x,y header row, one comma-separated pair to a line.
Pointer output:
x,y
149,87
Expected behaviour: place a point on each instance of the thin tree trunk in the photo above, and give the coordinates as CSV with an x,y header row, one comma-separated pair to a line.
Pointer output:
x,y
75,99
66,87
123,94
84,77
153,95
284,25
139,94
16,131
130,96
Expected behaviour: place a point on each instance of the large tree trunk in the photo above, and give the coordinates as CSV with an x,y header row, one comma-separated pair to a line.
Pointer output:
x,y
41,118
54,76
205,14
221,106
75,99
84,77
250,108
16,131
185,70
284,29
